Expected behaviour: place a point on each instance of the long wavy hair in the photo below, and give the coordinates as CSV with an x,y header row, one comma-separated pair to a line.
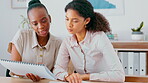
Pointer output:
x,y
97,23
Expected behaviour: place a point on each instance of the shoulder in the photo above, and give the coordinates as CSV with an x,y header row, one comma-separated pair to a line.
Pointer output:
x,y
98,35
55,39
102,39
68,39
25,32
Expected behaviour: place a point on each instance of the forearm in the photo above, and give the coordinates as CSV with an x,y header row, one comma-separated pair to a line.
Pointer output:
x,y
15,75
85,76
114,76
59,72
15,56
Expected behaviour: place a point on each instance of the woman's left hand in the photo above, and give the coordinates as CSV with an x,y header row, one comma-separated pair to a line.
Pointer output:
x,y
74,78
34,78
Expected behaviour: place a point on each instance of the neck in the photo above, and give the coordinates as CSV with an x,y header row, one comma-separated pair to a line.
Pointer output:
x,y
42,40
80,36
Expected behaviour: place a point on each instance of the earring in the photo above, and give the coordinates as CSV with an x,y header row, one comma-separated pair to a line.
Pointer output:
x,y
85,26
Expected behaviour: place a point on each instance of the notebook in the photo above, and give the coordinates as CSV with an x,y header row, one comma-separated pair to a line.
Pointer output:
x,y
22,68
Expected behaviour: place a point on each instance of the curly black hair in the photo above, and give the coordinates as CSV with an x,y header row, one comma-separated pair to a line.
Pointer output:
x,y
97,23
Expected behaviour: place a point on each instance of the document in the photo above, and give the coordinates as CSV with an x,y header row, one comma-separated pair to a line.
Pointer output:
x,y
66,82
22,68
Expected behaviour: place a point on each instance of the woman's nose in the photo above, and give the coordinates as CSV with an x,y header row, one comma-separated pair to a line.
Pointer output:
x,y
40,26
69,24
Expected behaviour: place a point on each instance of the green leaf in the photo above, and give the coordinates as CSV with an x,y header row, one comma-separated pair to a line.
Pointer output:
x,y
138,28
24,22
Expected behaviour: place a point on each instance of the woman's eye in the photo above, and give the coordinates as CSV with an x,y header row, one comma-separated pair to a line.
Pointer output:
x,y
75,21
35,24
66,19
44,21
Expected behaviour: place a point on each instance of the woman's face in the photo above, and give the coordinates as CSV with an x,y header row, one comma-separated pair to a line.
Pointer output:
x,y
39,21
74,22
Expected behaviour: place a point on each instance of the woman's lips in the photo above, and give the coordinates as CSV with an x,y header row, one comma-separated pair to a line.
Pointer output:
x,y
70,30
43,32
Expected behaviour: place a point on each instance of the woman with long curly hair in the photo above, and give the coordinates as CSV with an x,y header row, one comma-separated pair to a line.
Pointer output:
x,y
89,49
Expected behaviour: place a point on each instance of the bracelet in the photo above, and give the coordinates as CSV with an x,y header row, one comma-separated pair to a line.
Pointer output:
x,y
65,76
15,76
12,75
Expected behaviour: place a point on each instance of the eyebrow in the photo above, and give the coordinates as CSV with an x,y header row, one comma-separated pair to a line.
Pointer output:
x,y
40,19
73,18
43,18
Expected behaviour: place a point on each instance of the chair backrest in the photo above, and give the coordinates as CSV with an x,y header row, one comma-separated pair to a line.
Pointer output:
x,y
7,73
9,50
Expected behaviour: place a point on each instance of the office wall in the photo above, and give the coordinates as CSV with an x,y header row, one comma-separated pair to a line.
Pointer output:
x,y
9,20
135,12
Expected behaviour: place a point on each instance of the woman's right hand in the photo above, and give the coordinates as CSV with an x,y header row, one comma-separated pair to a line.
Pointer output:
x,y
74,78
34,78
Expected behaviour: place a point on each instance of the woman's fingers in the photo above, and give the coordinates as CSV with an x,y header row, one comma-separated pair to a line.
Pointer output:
x,y
33,77
29,76
68,79
74,78
37,77
79,77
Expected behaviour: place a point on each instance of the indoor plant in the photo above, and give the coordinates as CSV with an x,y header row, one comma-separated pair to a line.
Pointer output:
x,y
24,23
137,34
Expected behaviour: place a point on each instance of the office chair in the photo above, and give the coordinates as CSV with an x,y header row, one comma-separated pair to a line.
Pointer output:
x,y
7,73
9,50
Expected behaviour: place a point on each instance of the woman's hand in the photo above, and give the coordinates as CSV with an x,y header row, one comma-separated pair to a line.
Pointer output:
x,y
34,78
14,75
74,78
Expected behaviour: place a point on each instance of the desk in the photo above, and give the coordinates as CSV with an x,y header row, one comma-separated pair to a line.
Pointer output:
x,y
21,80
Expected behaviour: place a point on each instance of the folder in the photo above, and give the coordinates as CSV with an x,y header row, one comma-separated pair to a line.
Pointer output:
x,y
136,65
130,63
22,68
123,56
142,63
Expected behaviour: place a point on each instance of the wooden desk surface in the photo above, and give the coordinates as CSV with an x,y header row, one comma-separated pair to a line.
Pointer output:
x,y
21,80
